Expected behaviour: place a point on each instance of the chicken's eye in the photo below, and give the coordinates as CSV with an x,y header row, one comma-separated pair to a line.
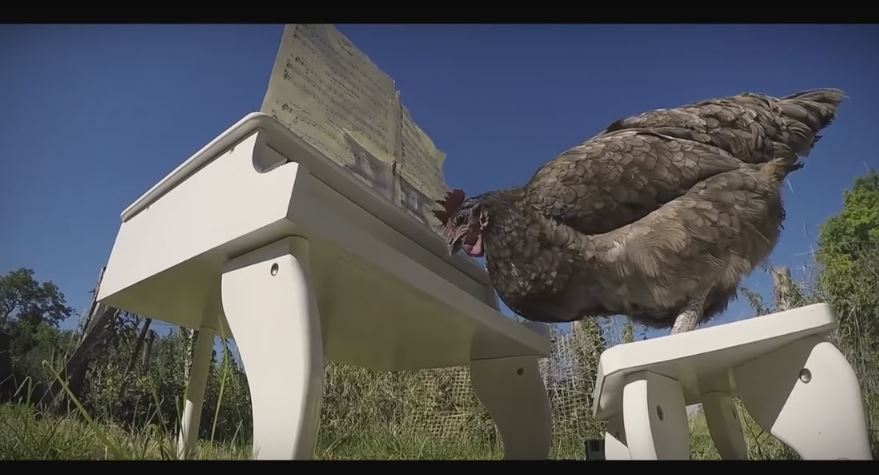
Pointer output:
x,y
460,218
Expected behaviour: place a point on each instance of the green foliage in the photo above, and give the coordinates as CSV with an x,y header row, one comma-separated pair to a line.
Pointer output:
x,y
23,298
30,312
31,345
153,395
28,434
848,253
856,227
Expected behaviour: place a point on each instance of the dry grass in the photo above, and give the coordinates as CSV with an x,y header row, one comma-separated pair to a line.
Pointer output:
x,y
27,434
761,445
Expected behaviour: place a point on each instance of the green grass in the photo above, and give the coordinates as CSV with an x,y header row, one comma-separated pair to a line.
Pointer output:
x,y
27,434
389,446
761,445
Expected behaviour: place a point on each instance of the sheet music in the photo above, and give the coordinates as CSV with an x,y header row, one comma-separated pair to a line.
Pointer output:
x,y
420,168
324,89
329,93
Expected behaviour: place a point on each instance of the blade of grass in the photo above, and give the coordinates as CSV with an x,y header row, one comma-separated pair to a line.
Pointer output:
x,y
91,422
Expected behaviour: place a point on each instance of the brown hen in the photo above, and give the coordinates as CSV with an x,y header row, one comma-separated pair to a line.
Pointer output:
x,y
658,217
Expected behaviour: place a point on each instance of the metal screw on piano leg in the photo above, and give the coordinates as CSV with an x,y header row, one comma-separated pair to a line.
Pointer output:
x,y
805,375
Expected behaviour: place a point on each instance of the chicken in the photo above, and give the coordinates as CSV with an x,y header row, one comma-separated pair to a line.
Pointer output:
x,y
659,217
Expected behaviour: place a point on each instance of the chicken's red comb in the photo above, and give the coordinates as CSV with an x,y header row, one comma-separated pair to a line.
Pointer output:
x,y
453,200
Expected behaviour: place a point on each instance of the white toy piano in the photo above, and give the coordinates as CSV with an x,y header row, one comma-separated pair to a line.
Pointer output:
x,y
792,381
260,238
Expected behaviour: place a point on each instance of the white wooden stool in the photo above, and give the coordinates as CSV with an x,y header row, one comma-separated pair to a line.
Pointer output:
x,y
259,236
794,384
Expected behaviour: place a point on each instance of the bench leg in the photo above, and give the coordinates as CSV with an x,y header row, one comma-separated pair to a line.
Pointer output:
x,y
615,447
655,418
807,396
198,377
272,313
724,426
513,392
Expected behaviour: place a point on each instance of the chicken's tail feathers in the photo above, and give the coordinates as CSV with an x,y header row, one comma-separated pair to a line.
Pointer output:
x,y
808,112
829,96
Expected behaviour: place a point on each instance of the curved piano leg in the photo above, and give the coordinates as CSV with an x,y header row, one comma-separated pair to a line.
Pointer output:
x,y
272,313
198,377
615,447
513,392
724,426
655,418
807,395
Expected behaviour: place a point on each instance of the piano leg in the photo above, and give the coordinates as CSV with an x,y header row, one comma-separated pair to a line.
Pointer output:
x,y
724,426
272,312
513,392
655,418
198,377
615,447
807,395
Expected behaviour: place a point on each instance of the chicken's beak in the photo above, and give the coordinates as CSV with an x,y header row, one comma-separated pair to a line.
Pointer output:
x,y
454,239
455,245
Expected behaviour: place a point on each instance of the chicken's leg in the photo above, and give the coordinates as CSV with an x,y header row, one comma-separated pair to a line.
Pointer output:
x,y
689,317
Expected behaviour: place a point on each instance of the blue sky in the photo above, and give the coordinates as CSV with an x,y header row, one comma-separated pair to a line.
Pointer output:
x,y
94,115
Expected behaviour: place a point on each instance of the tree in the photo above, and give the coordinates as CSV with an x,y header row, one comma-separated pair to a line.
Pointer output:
x,y
856,226
849,255
30,312
849,281
24,299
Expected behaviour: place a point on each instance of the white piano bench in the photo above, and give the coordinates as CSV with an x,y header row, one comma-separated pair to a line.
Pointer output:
x,y
793,382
